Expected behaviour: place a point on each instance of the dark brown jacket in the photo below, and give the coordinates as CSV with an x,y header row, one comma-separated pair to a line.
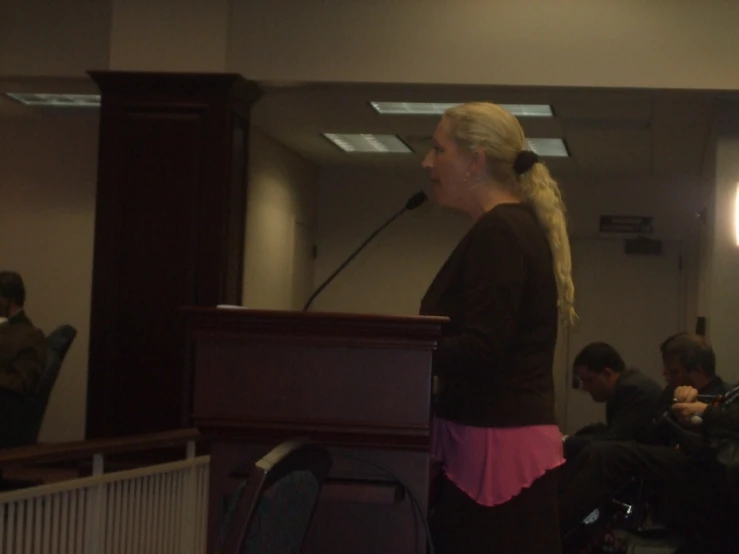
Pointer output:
x,y
495,363
22,354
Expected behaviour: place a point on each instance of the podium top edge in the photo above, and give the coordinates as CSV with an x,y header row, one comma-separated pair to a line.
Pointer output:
x,y
209,315
227,312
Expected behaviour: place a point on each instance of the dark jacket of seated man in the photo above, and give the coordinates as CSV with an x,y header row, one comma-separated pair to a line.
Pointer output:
x,y
718,425
630,396
700,486
22,345
687,360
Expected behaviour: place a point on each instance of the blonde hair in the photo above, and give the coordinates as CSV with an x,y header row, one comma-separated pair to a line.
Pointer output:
x,y
500,136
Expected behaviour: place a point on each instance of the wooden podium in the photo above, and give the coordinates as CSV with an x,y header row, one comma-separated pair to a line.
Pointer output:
x,y
360,384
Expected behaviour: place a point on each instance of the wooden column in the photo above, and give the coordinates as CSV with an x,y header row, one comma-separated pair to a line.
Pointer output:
x,y
169,231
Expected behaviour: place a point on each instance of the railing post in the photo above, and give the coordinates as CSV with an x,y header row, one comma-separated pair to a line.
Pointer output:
x,y
95,511
189,499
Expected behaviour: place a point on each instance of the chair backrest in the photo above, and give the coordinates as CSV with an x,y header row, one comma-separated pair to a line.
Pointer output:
x,y
21,415
60,339
57,346
276,505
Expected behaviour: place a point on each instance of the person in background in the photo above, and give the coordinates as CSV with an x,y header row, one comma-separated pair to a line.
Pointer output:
x,y
688,360
504,288
22,345
630,397
698,482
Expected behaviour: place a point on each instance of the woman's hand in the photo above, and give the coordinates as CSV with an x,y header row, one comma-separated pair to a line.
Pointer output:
x,y
685,394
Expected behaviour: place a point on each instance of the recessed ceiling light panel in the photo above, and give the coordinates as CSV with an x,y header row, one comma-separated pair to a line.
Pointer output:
x,y
549,147
377,144
436,108
56,100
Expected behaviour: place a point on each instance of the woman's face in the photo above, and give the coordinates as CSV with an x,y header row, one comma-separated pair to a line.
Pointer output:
x,y
448,169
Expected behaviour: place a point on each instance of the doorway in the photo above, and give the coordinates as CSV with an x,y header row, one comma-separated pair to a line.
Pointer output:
x,y
633,302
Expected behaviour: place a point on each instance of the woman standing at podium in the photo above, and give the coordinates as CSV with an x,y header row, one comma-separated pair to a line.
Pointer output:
x,y
505,287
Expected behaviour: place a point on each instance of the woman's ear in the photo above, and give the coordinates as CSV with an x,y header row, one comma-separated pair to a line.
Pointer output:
x,y
477,162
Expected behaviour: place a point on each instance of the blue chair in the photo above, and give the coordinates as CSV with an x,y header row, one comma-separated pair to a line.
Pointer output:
x,y
272,510
21,415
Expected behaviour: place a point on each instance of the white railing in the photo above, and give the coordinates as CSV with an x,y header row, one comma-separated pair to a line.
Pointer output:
x,y
160,509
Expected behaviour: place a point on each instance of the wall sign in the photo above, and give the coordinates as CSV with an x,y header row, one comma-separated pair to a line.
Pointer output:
x,y
626,224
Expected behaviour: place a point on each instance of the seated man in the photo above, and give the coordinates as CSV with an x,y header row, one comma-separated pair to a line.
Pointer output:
x,y
699,487
22,346
688,360
630,396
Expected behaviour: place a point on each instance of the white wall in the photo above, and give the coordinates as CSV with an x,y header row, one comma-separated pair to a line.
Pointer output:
x,y
629,43
47,205
279,229
706,225
393,272
722,271
187,35
672,202
58,39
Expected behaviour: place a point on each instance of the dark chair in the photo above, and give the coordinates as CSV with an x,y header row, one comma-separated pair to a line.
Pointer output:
x,y
274,506
58,343
21,415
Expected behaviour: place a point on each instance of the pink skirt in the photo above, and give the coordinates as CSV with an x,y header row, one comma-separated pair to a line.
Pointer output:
x,y
492,465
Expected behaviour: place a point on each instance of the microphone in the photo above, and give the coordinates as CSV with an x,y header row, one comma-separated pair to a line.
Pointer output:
x,y
413,202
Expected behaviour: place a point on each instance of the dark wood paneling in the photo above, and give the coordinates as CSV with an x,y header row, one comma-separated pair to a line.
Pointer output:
x,y
287,369
156,235
169,231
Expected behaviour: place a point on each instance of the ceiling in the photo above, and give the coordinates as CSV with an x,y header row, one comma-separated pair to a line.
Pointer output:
x,y
634,132
607,131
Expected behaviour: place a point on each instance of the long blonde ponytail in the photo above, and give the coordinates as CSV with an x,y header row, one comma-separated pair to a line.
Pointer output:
x,y
499,134
544,196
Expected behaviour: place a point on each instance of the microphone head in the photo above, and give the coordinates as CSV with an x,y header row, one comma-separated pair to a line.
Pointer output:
x,y
416,200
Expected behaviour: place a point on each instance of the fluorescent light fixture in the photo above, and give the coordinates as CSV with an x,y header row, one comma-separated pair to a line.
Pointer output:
x,y
736,215
56,100
378,144
548,147
435,108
